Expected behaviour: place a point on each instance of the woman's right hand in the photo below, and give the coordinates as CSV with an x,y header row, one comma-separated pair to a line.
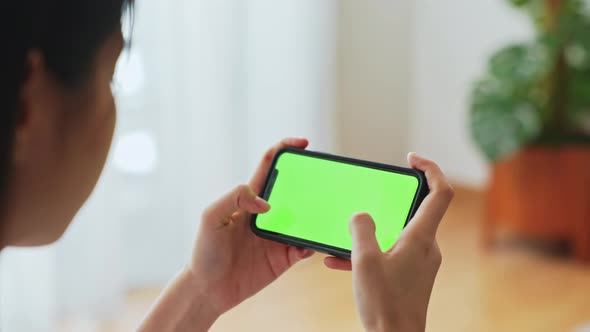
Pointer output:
x,y
392,289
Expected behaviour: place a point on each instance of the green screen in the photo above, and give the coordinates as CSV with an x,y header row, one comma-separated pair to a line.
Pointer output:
x,y
313,199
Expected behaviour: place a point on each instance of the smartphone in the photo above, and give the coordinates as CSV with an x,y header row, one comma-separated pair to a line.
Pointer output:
x,y
313,195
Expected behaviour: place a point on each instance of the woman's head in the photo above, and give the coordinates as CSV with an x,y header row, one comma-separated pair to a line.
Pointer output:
x,y
57,113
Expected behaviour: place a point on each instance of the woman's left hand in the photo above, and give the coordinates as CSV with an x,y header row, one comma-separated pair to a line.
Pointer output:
x,y
229,261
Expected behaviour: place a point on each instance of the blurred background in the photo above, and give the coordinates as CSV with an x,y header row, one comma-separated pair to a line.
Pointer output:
x,y
208,86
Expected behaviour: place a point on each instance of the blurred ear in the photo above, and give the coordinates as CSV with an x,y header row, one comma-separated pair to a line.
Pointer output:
x,y
39,98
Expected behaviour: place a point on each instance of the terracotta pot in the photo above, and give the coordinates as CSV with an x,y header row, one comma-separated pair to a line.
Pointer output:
x,y
542,192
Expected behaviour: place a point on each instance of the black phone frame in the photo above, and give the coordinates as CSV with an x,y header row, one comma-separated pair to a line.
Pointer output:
x,y
421,193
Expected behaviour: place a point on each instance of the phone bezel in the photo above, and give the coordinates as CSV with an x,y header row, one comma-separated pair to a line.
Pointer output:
x,y
421,193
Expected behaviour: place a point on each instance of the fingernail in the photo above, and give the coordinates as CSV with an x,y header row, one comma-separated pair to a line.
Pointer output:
x,y
413,154
262,204
362,216
295,140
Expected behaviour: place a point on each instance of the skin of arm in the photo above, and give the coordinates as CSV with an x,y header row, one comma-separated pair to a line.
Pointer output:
x,y
229,262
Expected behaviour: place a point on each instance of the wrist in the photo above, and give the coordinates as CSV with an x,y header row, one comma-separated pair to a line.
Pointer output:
x,y
199,301
398,324
183,306
396,327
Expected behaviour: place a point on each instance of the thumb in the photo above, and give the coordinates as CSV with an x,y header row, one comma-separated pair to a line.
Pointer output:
x,y
364,242
242,198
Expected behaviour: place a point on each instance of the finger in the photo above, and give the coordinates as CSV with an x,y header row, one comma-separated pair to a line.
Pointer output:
x,y
336,263
364,242
434,176
262,171
242,198
305,253
436,203
297,254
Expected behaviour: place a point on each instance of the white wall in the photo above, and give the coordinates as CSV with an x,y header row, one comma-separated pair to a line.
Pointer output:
x,y
373,71
288,63
451,43
405,72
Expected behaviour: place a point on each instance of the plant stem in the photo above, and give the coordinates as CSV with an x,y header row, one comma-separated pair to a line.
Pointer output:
x,y
559,102
553,5
556,120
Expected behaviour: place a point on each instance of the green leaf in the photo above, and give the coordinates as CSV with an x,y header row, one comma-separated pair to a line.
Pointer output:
x,y
519,64
519,3
512,104
501,124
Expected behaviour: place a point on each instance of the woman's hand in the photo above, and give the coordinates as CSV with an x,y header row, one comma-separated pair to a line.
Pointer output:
x,y
229,263
392,289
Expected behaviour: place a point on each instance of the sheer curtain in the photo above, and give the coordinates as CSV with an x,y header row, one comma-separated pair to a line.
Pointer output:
x,y
206,87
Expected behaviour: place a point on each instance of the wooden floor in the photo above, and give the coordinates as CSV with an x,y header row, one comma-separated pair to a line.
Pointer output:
x,y
509,289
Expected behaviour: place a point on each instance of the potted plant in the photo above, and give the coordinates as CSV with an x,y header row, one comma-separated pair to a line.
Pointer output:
x,y
530,116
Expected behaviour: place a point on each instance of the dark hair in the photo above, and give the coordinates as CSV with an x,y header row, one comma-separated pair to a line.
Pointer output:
x,y
67,32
